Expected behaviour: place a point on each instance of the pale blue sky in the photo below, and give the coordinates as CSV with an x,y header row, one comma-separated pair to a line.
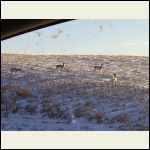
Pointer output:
x,y
97,37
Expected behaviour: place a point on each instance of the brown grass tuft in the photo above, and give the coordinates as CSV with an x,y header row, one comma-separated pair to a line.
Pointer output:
x,y
45,101
79,111
142,127
31,109
51,112
15,108
23,92
123,118
99,117
89,105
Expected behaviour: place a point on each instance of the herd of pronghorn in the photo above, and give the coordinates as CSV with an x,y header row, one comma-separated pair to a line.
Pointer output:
x,y
112,82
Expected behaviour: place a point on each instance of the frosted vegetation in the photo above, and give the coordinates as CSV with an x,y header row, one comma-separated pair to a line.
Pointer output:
x,y
39,97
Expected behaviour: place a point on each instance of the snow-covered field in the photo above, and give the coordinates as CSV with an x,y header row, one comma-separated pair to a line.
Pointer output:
x,y
39,97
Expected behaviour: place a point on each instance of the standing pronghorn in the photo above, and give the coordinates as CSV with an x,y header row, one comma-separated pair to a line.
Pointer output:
x,y
15,70
98,68
60,67
113,81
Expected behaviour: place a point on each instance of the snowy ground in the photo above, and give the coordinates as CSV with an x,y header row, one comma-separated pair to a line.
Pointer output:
x,y
77,98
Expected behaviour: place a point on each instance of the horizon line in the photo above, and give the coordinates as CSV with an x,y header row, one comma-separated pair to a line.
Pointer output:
x,y
73,54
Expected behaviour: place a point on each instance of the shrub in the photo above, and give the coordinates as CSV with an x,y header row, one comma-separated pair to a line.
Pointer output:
x,y
123,118
79,111
141,127
30,108
15,108
51,112
89,105
23,92
99,117
45,102
4,90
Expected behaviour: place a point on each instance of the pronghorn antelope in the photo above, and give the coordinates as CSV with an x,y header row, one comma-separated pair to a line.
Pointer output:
x,y
15,70
60,67
98,68
113,81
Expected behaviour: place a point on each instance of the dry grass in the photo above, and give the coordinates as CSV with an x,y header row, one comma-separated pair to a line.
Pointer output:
x,y
46,101
122,118
90,105
51,112
99,117
4,89
30,108
7,88
141,127
79,111
87,111
48,88
23,92
15,108
77,83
